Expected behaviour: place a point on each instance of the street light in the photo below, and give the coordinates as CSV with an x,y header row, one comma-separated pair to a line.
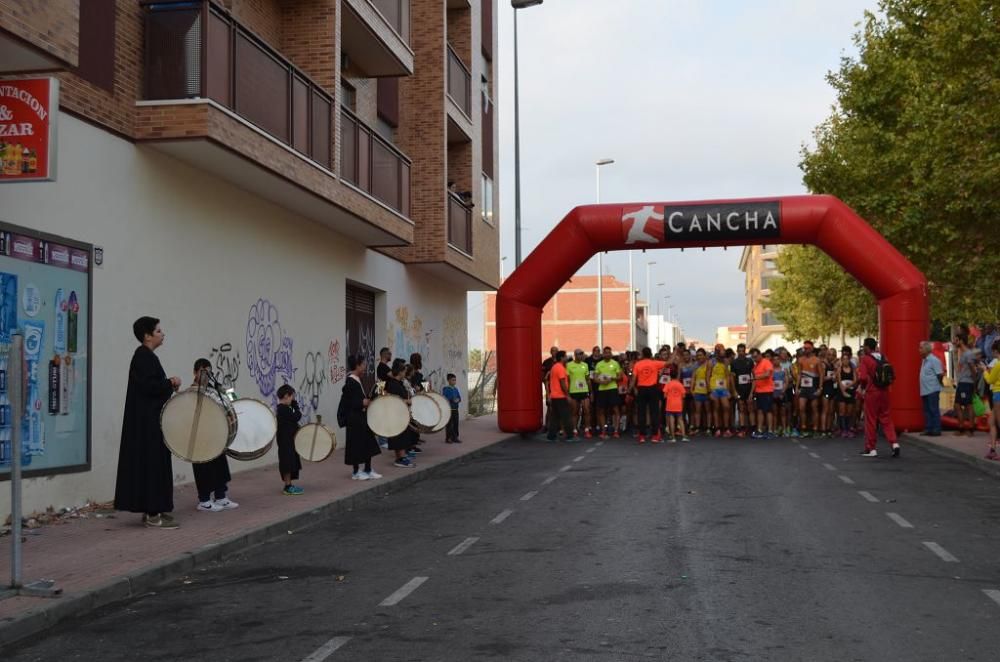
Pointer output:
x,y
518,4
502,260
600,259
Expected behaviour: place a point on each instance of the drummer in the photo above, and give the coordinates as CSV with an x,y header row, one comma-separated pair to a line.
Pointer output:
x,y
211,478
403,441
361,445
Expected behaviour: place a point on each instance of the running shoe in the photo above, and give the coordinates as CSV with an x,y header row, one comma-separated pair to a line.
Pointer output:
x,y
871,453
373,475
416,449
227,503
587,434
159,522
756,435
209,507
615,435
404,463
685,439
795,433
742,434
895,450
718,433
292,490
728,434
604,435
642,438
361,475
657,439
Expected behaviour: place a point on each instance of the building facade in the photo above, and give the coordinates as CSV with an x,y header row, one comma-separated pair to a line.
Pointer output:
x,y
731,336
760,265
281,182
569,319
664,332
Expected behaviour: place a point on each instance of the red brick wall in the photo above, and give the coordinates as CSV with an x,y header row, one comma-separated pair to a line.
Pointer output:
x,y
263,17
50,25
308,29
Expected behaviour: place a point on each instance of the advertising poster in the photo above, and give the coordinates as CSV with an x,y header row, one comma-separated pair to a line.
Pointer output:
x,y
28,128
45,295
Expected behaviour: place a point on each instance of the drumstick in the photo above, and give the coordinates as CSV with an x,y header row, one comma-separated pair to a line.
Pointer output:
x,y
194,423
312,449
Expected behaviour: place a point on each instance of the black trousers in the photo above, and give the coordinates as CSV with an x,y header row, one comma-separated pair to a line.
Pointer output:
x,y
451,431
560,416
648,403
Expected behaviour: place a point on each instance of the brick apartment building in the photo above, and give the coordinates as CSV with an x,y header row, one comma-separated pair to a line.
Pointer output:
x,y
282,182
569,319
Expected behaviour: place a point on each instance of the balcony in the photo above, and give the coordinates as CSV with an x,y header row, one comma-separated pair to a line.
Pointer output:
x,y
459,224
373,164
375,36
231,66
227,103
459,83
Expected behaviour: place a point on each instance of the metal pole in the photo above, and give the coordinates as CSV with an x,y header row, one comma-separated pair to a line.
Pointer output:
x,y
517,157
15,380
600,274
631,305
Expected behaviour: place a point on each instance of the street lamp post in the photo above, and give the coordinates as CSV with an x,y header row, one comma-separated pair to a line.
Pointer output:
x,y
518,4
600,262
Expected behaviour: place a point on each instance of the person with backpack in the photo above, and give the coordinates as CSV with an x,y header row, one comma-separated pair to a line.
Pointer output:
x,y
875,376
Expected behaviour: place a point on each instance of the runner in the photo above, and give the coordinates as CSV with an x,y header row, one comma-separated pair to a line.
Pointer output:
x,y
627,419
592,361
645,384
847,381
830,390
686,372
780,378
701,415
809,367
743,381
606,374
720,379
557,396
579,392
763,388
967,374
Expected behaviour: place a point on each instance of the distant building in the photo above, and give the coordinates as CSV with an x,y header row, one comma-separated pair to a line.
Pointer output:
x,y
569,319
731,336
663,332
760,264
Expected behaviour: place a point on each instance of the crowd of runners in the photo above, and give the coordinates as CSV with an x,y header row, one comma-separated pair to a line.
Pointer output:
x,y
679,393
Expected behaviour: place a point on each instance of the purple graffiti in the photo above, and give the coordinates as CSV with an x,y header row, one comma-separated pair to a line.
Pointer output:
x,y
269,349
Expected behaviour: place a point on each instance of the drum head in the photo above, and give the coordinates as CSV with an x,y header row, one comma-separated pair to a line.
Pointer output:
x,y
445,411
388,415
257,428
425,413
197,434
314,442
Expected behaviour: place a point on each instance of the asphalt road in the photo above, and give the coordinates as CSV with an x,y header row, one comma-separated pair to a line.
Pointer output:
x,y
714,550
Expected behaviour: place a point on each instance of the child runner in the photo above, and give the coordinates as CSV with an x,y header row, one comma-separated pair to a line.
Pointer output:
x,y
674,394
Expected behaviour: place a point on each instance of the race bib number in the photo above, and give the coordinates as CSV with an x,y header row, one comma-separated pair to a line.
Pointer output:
x,y
846,383
701,383
779,385
687,382
720,383
580,385
664,379
744,379
623,390
829,374
806,382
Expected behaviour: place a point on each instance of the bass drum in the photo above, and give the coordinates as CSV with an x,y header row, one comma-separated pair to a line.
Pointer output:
x,y
198,426
388,416
445,410
425,413
315,442
257,429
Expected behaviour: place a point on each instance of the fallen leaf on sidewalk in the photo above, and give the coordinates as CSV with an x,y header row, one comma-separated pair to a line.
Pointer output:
x,y
282,576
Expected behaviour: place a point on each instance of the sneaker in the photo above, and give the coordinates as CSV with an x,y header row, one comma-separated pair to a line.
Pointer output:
x,y
642,438
604,436
741,434
756,435
406,463
209,507
871,453
226,503
361,475
727,434
794,434
657,439
159,522
718,433
587,434
382,442
292,490
416,449
615,435
672,440
550,438
374,476
685,438
895,450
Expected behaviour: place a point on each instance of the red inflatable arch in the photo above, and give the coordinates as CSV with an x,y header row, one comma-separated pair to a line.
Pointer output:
x,y
824,221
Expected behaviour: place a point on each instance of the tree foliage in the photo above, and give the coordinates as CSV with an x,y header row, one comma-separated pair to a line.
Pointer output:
x,y
913,145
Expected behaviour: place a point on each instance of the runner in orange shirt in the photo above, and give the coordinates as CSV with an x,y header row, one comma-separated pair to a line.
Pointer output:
x,y
558,398
675,392
763,386
645,378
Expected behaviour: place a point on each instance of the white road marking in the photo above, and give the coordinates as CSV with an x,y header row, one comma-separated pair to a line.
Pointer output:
x,y
600,443
846,480
327,649
566,468
405,590
550,480
462,546
868,496
577,459
898,519
591,450
529,495
814,455
942,553
804,446
992,594
502,516
829,466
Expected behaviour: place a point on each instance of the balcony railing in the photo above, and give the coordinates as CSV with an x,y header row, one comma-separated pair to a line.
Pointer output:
x,y
459,224
459,82
197,50
373,164
397,13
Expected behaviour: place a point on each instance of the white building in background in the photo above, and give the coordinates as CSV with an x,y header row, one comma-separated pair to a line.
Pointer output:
x,y
663,332
731,336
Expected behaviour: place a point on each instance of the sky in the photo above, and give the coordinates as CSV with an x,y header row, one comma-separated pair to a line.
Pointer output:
x,y
694,99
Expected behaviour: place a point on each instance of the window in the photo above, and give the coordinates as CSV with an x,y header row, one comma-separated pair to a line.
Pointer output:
x,y
349,96
769,319
486,207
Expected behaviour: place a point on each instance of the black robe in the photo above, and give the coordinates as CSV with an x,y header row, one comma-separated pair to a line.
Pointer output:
x,y
145,481
407,438
289,461
361,445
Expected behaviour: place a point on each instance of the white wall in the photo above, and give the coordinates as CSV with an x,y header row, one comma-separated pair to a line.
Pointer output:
x,y
198,253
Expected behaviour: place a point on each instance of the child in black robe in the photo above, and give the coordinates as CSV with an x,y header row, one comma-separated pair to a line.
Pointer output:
x,y
211,478
289,463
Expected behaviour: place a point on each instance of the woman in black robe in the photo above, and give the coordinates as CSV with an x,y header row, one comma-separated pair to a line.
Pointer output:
x,y
361,445
145,482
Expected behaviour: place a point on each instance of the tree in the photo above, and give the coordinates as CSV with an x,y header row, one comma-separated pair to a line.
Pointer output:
x,y
475,360
913,145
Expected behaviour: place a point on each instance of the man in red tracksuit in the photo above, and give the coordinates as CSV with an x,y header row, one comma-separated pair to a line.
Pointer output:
x,y
876,402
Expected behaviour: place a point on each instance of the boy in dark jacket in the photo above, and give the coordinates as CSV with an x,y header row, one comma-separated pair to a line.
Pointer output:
x,y
289,463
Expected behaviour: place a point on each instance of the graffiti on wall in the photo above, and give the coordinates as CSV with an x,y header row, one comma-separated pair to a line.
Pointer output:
x,y
337,369
454,345
311,387
269,350
225,364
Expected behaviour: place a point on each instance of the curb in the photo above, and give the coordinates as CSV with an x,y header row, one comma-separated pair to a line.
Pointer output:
x,y
141,581
986,466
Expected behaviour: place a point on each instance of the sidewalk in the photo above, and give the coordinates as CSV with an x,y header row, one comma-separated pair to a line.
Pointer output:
x,y
98,561
969,450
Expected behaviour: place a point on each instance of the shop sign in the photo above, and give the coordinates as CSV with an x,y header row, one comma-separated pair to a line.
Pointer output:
x,y
28,111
